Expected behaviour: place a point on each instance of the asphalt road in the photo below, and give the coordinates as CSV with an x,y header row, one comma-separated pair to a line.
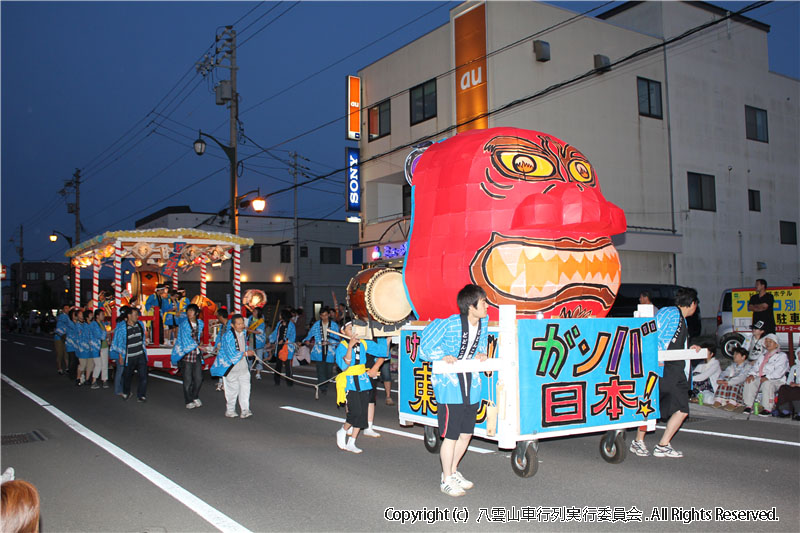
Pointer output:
x,y
281,470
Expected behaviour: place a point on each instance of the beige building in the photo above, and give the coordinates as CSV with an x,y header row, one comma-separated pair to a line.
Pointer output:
x,y
696,140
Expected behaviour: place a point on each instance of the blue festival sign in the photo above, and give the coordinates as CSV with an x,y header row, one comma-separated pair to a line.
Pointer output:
x,y
353,181
574,375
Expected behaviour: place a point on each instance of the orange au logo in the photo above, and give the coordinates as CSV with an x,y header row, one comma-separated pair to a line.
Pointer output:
x,y
353,108
469,29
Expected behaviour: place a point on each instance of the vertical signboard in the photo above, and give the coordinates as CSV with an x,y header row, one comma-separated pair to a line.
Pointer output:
x,y
469,32
353,108
353,181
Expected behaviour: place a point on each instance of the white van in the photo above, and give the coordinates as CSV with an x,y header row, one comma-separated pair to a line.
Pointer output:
x,y
728,339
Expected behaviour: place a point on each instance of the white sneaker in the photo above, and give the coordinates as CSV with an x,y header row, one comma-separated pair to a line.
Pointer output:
x,y
246,414
341,437
369,432
450,487
351,446
258,376
198,403
462,482
231,414
638,447
190,405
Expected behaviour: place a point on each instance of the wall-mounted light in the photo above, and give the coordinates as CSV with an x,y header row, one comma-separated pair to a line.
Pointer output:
x,y
353,218
278,278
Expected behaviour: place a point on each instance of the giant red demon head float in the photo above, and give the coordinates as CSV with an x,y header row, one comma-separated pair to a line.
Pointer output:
x,y
519,213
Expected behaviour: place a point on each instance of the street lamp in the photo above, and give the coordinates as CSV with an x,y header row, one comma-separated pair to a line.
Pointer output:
x,y
259,203
54,237
230,151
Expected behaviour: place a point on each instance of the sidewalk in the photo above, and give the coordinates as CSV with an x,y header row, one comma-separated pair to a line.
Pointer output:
x,y
706,411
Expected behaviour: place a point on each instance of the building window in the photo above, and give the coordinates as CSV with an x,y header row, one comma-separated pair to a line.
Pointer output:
x,y
788,232
406,200
286,253
380,120
755,120
702,194
255,253
330,255
423,101
304,251
754,199
649,97
49,276
32,276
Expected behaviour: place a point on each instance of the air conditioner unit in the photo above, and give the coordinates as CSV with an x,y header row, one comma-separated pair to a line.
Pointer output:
x,y
602,63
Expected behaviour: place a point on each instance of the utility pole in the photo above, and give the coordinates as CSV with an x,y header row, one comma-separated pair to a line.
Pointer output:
x,y
293,155
77,183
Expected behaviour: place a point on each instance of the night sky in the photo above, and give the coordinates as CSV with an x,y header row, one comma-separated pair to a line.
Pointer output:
x,y
79,76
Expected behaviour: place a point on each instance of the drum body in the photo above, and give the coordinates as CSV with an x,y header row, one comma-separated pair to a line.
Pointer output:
x,y
144,282
378,294
203,302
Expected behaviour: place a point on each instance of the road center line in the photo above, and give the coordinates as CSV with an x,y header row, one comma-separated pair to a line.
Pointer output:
x,y
165,378
43,349
20,343
210,514
740,437
379,428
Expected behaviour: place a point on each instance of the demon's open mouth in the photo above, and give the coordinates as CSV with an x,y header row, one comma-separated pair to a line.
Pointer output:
x,y
537,275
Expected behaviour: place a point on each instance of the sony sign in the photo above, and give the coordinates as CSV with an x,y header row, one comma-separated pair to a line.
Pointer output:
x,y
353,181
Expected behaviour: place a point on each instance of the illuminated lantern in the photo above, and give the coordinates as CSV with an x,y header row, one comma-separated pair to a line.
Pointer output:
x,y
519,213
254,298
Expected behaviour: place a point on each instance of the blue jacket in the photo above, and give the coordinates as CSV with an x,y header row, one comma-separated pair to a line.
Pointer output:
x,y
119,345
185,343
221,333
261,333
375,349
316,333
152,301
443,337
228,354
84,341
73,336
62,323
290,337
96,334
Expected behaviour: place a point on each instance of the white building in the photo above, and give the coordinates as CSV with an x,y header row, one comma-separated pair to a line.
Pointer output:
x,y
696,140
269,264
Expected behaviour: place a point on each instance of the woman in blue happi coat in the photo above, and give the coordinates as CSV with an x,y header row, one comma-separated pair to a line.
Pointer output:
x,y
73,333
187,356
284,335
96,336
84,348
257,333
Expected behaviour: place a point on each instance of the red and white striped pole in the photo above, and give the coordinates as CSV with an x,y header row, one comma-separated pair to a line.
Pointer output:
x,y
237,277
203,267
77,284
95,280
175,279
117,282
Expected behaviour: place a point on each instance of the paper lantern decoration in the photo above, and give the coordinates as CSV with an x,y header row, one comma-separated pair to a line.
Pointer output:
x,y
519,213
141,250
254,298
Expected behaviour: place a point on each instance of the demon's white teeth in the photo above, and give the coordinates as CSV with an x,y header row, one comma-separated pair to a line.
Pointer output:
x,y
547,253
564,255
531,252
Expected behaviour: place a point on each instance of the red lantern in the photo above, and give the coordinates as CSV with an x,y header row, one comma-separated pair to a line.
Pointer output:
x,y
517,212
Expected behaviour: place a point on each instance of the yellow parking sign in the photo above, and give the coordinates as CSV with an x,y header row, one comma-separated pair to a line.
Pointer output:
x,y
786,308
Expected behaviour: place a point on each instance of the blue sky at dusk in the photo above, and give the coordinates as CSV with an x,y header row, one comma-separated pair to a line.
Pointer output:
x,y
78,76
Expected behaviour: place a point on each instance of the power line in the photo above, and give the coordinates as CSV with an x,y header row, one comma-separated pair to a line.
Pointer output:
x,y
265,26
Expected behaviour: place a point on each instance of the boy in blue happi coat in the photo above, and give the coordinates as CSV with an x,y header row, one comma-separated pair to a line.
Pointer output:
x,y
187,356
284,335
461,336
324,352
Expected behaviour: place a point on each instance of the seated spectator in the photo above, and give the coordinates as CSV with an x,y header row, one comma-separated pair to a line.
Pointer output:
x,y
20,507
731,383
755,344
767,375
704,377
789,394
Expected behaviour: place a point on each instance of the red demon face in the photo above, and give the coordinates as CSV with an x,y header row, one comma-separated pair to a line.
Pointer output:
x,y
519,213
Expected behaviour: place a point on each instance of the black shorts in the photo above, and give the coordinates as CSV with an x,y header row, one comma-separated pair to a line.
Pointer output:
x,y
456,418
357,403
673,391
373,392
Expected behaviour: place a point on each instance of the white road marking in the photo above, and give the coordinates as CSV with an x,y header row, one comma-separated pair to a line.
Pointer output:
x,y
43,349
20,343
165,378
739,437
379,428
210,514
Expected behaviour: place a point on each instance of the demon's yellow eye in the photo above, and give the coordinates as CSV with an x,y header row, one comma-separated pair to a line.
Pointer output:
x,y
581,171
528,165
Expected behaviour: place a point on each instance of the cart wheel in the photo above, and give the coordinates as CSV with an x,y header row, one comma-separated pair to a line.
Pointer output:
x,y
612,447
432,440
524,459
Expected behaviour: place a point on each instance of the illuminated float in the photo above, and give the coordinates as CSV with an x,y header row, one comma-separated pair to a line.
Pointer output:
x,y
158,255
